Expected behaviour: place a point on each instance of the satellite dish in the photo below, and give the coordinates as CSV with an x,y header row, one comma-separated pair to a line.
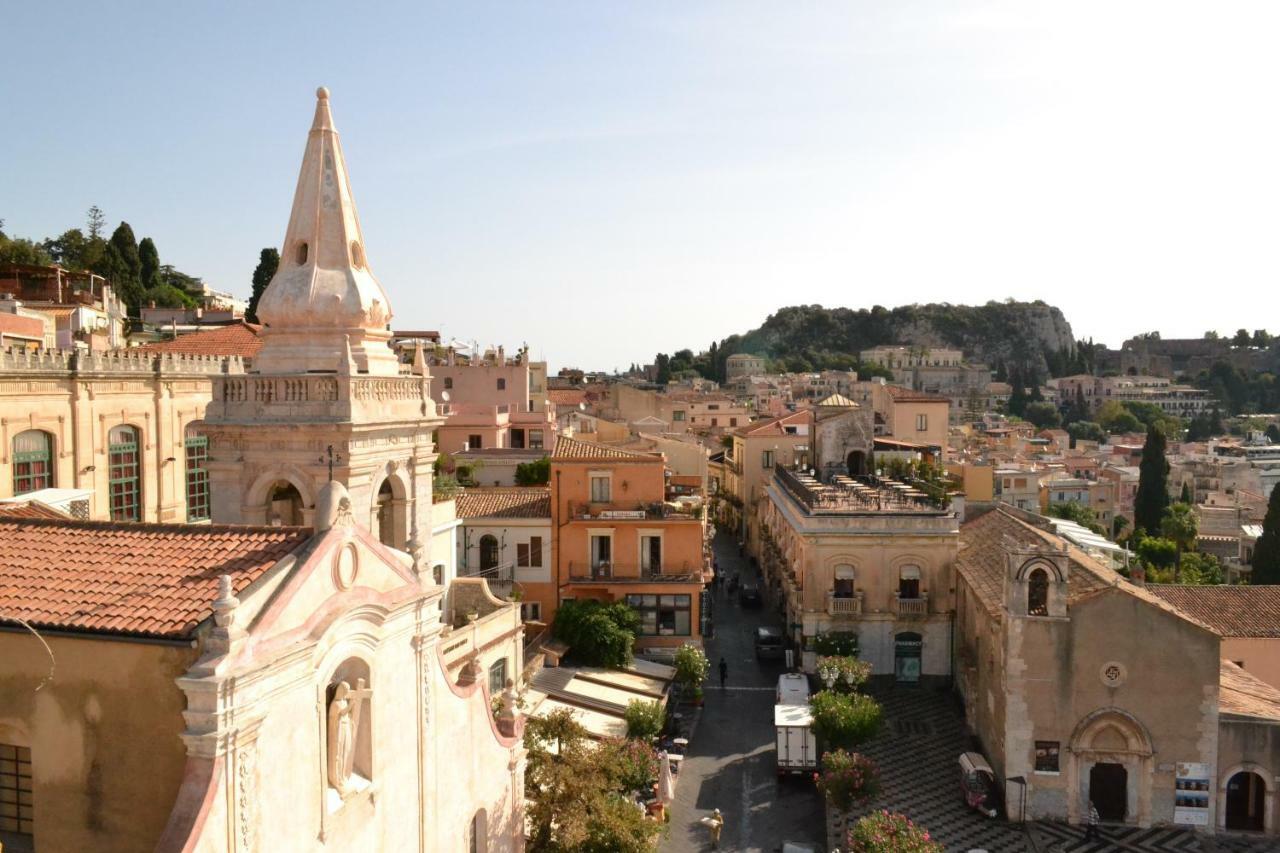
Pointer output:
x,y
444,395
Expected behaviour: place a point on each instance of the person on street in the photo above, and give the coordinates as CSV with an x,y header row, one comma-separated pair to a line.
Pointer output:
x,y
714,824
1091,824
724,672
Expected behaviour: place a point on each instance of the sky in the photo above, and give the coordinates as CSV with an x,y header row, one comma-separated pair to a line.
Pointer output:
x,y
607,180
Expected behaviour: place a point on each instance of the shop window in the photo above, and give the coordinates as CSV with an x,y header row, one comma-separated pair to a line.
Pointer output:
x,y
663,615
1038,593
196,447
1046,756
125,474
32,461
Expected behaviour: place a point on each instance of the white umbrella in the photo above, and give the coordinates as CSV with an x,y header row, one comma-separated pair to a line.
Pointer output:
x,y
666,782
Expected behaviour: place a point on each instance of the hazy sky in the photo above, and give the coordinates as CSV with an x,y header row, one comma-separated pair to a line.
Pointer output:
x,y
608,179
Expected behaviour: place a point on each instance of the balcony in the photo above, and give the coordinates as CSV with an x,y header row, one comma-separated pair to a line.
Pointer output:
x,y
630,511
844,606
911,608
621,573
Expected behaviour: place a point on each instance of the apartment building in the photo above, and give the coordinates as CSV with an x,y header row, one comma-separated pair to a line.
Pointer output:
x,y
492,403
750,460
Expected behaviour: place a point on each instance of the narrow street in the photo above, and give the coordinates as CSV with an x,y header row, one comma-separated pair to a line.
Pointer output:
x,y
731,757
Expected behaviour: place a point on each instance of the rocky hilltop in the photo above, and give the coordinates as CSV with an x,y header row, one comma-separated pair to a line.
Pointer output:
x,y
1030,336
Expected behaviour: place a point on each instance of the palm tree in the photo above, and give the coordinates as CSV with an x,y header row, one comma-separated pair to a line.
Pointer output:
x,y
1180,525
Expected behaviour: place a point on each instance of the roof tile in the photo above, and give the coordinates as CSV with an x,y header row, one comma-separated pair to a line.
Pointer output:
x,y
510,502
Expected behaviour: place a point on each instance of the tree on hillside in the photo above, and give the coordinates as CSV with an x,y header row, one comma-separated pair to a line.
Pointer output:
x,y
1266,553
1152,498
1242,338
16,250
1186,497
96,221
1115,418
1018,396
149,264
1043,415
1261,338
1086,431
268,263
123,268
1180,526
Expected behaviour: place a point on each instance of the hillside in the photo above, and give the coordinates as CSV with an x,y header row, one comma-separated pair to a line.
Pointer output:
x,y
1024,335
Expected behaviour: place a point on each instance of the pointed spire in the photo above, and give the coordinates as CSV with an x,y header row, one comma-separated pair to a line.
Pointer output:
x,y
419,359
324,298
346,364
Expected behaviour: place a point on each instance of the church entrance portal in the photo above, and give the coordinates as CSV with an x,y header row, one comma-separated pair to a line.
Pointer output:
x,y
1246,801
856,462
1109,790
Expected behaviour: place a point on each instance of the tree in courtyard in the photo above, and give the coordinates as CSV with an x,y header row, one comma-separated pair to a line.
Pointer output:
x,y
1152,497
597,634
1042,415
1179,526
536,473
1266,553
1115,418
268,263
1077,512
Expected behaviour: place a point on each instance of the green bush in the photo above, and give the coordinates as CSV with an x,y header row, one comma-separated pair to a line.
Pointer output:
x,y
842,643
597,634
644,719
534,473
844,720
848,778
691,665
883,832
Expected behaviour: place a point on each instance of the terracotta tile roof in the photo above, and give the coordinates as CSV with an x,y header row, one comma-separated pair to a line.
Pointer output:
x,y
240,339
981,561
774,426
29,509
566,396
155,580
1242,693
575,450
906,395
1232,611
510,502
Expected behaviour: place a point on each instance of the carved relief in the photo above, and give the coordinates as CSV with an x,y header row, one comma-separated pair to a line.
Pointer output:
x,y
246,795
344,729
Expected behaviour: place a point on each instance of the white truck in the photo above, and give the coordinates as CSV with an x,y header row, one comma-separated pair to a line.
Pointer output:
x,y
796,744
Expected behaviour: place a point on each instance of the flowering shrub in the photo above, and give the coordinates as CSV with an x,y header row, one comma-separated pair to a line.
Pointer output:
x,y
848,778
844,720
843,673
631,765
644,719
691,665
882,832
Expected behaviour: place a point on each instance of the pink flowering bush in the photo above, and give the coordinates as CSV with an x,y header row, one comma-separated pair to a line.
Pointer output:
x,y
883,832
848,778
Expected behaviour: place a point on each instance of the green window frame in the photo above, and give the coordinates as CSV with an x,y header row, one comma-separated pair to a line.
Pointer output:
x,y
124,474
497,677
32,461
663,615
197,458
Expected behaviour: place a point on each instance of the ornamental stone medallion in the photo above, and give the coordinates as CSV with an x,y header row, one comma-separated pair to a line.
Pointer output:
x,y
1113,673
345,566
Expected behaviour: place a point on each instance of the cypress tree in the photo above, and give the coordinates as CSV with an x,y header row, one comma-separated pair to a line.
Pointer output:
x,y
123,268
149,264
1266,553
1018,396
1152,498
268,263
1186,493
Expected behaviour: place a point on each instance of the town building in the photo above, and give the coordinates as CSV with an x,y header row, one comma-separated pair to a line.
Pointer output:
x,y
616,539
743,364
749,462
83,307
493,402
506,539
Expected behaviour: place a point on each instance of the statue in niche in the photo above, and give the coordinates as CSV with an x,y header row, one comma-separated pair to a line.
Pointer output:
x,y
344,730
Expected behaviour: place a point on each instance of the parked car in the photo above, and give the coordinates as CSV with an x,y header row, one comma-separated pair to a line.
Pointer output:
x,y
978,784
793,688
770,644
749,595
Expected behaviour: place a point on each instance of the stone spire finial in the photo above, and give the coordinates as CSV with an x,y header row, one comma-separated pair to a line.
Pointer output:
x,y
324,290
419,359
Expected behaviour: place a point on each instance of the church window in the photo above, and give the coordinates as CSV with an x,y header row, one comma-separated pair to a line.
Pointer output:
x,y
17,817
497,677
125,474
196,446
357,256
32,461
909,582
1038,593
284,506
300,253
386,515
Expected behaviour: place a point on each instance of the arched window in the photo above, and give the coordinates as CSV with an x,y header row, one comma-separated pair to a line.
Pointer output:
x,y
386,515
488,552
478,833
32,461
909,582
125,474
285,505
844,582
196,445
1038,593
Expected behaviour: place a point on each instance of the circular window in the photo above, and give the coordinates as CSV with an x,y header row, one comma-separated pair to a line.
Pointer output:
x,y
345,566
357,256
301,254
1113,673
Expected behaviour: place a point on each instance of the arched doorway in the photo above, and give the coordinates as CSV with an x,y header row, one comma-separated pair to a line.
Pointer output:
x,y
1246,801
284,505
856,462
907,649
1109,790
488,552
386,515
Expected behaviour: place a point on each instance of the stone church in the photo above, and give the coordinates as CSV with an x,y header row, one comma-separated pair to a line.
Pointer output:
x,y
305,672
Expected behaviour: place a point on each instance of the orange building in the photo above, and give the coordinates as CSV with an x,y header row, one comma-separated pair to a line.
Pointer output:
x,y
615,539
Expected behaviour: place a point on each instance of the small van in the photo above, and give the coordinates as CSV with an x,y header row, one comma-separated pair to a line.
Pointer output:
x,y
793,688
769,644
978,784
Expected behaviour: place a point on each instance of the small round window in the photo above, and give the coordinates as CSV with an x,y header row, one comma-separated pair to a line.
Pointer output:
x,y
357,257
302,254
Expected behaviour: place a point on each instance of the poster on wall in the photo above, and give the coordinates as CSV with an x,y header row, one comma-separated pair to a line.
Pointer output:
x,y
1191,794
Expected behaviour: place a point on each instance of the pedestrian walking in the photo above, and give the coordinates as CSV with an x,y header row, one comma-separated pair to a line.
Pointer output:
x,y
1091,824
714,823
724,672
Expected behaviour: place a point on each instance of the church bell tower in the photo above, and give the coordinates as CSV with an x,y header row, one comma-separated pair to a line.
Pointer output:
x,y
326,397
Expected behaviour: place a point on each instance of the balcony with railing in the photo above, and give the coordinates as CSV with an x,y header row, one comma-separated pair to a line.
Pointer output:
x,y
611,573
911,608
846,605
855,496
631,511
500,579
